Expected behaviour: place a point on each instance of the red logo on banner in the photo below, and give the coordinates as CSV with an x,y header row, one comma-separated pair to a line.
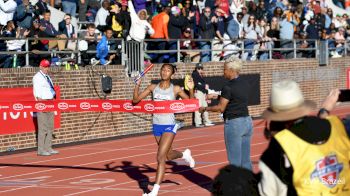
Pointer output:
x,y
85,105
107,106
177,106
40,106
128,106
149,107
62,106
17,107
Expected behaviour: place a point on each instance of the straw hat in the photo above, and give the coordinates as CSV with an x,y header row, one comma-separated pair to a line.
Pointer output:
x,y
287,102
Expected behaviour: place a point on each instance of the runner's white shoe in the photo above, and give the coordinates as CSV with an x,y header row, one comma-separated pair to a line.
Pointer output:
x,y
188,158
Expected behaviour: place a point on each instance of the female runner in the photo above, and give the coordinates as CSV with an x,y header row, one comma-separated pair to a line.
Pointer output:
x,y
164,127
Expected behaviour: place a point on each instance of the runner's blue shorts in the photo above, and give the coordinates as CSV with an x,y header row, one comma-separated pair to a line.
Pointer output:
x,y
158,130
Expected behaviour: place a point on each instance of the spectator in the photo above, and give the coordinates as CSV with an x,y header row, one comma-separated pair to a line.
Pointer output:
x,y
274,35
48,30
34,44
25,14
139,25
340,40
125,19
92,36
66,28
261,12
41,7
114,20
265,41
175,25
286,36
303,147
102,14
236,7
83,7
238,124
43,90
7,9
201,93
15,45
206,31
188,44
251,35
160,26
9,31
69,7
312,33
223,5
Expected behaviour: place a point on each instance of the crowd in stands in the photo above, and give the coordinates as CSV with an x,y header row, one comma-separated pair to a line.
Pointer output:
x,y
257,25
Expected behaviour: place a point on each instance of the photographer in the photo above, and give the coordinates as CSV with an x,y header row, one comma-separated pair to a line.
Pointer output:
x,y
307,154
24,15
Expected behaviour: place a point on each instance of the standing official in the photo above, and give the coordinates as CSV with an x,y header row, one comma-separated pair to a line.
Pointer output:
x,y
43,90
238,123
201,92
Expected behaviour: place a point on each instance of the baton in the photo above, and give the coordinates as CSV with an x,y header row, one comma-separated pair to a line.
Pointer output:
x,y
143,73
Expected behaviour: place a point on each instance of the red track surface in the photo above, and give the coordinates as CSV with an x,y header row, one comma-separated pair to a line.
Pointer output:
x,y
123,167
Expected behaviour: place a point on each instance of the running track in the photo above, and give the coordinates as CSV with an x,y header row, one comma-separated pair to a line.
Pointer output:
x,y
125,166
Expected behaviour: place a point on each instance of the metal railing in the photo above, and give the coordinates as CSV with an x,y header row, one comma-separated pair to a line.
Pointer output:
x,y
132,52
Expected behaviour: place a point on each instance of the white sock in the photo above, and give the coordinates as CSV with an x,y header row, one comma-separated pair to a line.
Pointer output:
x,y
155,189
183,155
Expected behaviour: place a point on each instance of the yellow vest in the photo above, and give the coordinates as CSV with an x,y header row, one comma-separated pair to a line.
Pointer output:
x,y
323,169
117,27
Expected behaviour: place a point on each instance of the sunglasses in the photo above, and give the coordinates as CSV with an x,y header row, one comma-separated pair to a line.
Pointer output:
x,y
187,31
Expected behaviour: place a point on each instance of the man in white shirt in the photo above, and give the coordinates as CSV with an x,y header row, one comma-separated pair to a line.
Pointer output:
x,y
43,90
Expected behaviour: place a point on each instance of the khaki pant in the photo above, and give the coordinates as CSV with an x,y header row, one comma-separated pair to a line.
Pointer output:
x,y
61,43
202,103
45,130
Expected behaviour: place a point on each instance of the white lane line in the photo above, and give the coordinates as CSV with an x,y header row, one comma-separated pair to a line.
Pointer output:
x,y
165,173
107,151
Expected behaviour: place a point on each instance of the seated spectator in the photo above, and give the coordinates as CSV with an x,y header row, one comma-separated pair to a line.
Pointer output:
x,y
66,28
233,180
48,30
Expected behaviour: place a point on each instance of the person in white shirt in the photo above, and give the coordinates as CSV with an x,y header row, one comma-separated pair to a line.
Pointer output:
x,y
7,9
139,25
101,16
43,90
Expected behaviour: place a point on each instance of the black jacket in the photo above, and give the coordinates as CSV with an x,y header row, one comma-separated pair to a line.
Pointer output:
x,y
199,82
175,25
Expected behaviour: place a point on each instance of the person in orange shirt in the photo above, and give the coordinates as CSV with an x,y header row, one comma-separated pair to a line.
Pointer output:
x,y
160,25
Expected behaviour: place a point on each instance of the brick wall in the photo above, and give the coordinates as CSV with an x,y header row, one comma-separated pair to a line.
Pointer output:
x,y
85,84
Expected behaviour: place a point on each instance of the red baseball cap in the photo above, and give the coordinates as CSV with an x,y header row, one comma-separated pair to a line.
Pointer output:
x,y
45,63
